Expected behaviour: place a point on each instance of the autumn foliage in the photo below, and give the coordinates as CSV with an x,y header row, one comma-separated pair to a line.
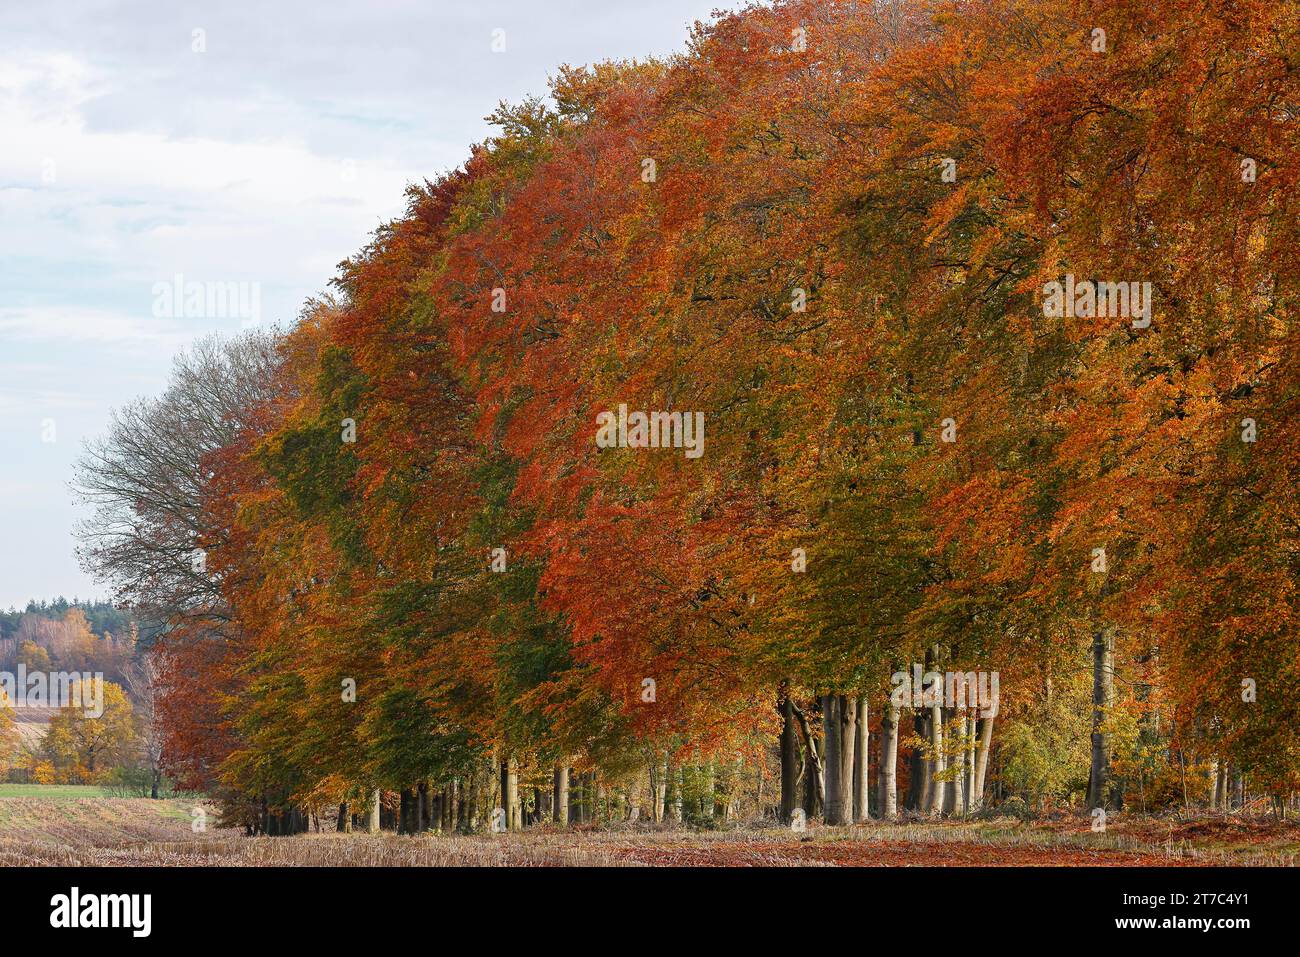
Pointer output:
x,y
827,226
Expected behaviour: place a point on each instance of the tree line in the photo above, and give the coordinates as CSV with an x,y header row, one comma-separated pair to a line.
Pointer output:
x,y
985,312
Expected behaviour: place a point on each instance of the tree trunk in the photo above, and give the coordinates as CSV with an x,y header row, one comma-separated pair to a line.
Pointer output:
x,y
938,763
372,824
952,763
510,797
502,790
584,797
831,747
919,783
1103,693
982,761
662,772
861,762
848,745
560,794
839,730
971,738
815,776
633,799
719,786
889,763
967,762
789,761
474,799
404,813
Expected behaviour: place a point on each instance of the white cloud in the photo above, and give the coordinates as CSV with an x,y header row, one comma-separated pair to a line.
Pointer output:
x,y
72,324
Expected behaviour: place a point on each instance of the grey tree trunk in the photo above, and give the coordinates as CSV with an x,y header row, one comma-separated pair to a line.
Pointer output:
x,y
965,765
833,804
982,761
372,825
474,799
861,762
971,745
510,793
1103,695
839,731
659,788
407,813
633,801
938,762
501,788
789,761
560,794
955,744
672,791
889,763
814,772
848,746
919,783
1219,800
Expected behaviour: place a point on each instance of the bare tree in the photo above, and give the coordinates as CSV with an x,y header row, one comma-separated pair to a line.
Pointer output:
x,y
143,681
147,482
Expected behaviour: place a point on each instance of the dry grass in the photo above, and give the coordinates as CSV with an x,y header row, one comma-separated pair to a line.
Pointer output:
x,y
107,831
55,829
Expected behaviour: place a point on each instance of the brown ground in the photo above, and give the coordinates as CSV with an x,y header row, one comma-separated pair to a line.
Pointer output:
x,y
856,853
95,831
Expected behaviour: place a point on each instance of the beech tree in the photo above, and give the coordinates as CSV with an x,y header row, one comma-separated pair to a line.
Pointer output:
x,y
834,234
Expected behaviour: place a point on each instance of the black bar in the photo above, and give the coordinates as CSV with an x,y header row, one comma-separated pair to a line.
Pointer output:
x,y
194,906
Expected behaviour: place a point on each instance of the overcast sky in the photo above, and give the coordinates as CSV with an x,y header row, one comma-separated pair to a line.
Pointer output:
x,y
262,148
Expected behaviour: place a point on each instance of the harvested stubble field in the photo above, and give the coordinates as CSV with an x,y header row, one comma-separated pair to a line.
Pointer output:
x,y
114,831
